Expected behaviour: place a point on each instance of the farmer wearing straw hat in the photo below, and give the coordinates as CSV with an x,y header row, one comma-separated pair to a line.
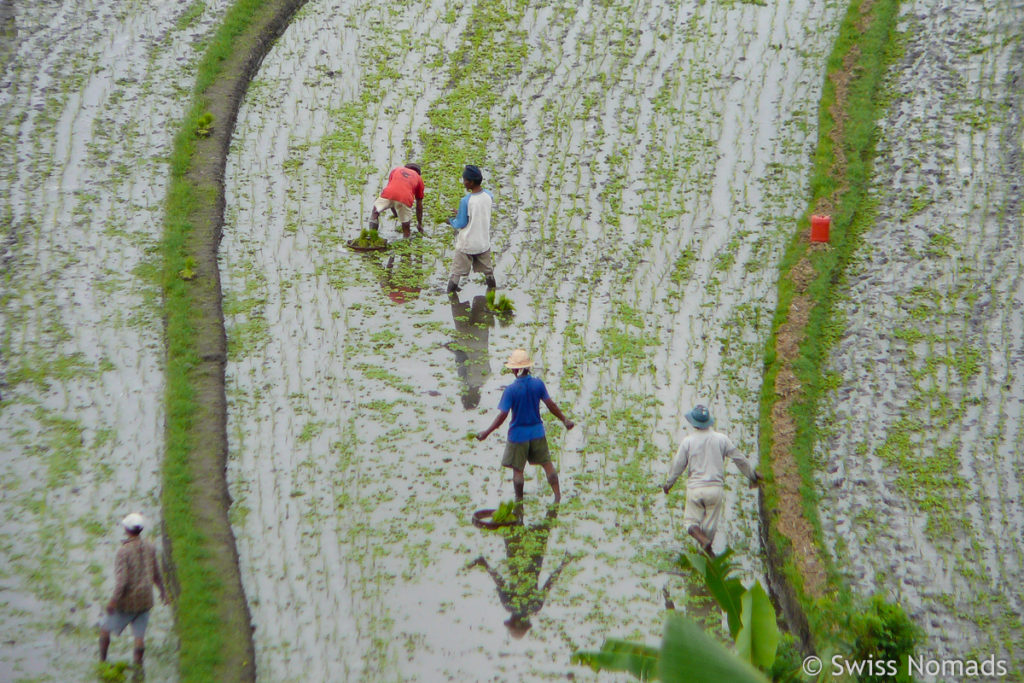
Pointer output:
x,y
135,573
703,455
526,439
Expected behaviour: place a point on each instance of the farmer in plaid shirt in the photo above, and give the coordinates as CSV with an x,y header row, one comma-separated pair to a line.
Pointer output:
x,y
135,573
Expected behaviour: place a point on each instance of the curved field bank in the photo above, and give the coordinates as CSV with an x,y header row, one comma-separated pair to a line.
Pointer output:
x,y
924,455
647,160
212,616
89,97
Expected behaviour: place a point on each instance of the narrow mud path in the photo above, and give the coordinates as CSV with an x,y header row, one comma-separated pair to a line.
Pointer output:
x,y
89,95
647,160
924,461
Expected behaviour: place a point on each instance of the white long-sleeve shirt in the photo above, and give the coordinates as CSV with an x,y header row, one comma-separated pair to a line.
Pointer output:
x,y
473,223
703,453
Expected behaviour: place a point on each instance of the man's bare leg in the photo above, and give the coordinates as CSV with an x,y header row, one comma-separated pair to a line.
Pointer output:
x,y
701,538
140,649
552,473
104,644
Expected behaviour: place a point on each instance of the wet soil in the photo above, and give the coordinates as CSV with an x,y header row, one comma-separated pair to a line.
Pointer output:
x,y
89,95
645,182
646,161
922,464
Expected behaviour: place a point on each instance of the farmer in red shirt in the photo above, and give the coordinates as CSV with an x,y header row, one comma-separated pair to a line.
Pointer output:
x,y
404,186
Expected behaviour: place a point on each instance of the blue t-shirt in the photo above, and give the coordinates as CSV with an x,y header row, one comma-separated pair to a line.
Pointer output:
x,y
523,398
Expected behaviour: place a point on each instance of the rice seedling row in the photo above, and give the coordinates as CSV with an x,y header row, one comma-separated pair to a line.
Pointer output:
x,y
89,94
644,179
921,468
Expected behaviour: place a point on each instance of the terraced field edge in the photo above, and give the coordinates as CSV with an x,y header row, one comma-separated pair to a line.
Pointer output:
x,y
211,614
813,595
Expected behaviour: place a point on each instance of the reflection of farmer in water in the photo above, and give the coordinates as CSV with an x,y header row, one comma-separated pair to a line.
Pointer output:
x,y
473,323
400,277
520,591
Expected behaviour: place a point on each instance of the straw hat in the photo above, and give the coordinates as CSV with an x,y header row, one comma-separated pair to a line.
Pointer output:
x,y
518,360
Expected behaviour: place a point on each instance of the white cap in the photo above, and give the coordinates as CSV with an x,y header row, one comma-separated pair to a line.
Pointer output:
x,y
133,522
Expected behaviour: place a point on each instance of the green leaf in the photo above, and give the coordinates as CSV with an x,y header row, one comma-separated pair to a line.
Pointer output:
x,y
727,590
688,655
622,655
697,563
759,636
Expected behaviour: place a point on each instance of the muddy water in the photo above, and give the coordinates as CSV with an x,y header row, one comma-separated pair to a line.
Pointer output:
x,y
89,95
646,160
924,471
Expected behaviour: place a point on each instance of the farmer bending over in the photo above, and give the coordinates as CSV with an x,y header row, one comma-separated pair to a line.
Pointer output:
x,y
703,455
526,440
404,186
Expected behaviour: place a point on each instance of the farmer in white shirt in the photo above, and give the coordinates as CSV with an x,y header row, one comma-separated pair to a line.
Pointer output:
x,y
702,454
472,223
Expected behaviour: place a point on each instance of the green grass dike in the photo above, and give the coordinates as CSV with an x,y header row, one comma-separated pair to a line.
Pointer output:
x,y
211,615
819,607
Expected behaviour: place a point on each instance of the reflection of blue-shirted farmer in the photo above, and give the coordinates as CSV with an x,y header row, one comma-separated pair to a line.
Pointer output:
x,y
472,224
526,440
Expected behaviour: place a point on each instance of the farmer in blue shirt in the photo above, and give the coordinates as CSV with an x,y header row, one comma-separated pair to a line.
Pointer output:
x,y
526,440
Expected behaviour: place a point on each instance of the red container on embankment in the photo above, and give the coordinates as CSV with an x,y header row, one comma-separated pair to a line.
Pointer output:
x,y
819,228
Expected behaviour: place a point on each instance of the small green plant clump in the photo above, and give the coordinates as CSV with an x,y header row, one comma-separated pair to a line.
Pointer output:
x,y
112,672
189,271
505,514
885,632
369,238
788,659
500,304
204,125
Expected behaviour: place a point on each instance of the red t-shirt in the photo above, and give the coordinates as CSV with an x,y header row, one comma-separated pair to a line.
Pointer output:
x,y
404,185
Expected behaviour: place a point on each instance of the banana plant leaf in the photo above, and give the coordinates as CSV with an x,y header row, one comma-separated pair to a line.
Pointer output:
x,y
622,655
726,589
688,655
758,638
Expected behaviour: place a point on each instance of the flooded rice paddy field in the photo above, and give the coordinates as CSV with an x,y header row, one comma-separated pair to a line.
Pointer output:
x,y
647,161
89,95
923,468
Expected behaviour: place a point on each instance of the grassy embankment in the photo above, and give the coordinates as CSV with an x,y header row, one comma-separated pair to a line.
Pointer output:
x,y
211,615
806,325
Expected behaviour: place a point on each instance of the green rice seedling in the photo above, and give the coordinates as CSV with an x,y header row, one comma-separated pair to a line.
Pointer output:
x,y
204,125
505,513
369,239
188,272
500,304
112,672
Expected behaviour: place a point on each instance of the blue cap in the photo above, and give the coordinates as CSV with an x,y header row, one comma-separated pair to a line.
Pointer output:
x,y
472,174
